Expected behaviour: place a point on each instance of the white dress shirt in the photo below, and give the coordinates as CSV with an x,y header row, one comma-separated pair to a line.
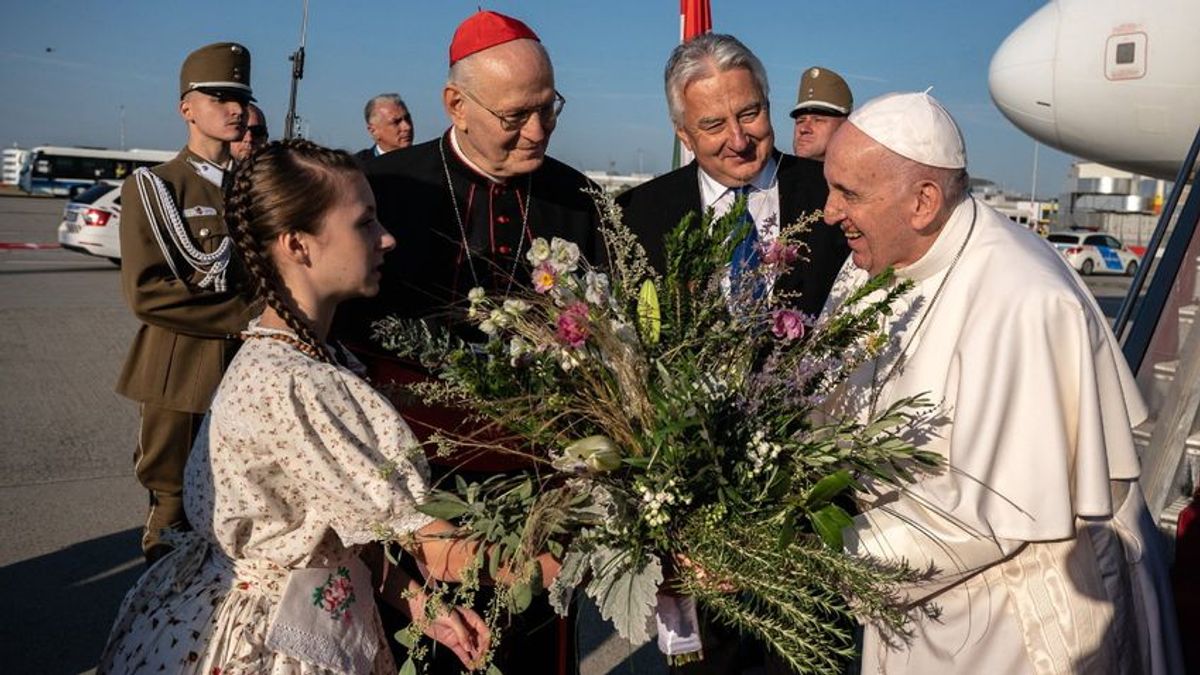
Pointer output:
x,y
764,198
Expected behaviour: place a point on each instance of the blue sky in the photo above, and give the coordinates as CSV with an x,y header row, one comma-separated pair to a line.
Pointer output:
x,y
608,58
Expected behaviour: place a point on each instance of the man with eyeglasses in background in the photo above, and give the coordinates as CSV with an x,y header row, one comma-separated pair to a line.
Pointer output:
x,y
255,137
465,208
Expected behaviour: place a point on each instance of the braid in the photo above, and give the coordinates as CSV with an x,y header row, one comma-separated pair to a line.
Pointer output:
x,y
279,189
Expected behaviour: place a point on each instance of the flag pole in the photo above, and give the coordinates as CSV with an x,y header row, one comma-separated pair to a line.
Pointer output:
x,y
695,18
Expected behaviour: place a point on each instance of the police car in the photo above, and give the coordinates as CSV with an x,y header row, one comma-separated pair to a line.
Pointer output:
x,y
91,222
1093,252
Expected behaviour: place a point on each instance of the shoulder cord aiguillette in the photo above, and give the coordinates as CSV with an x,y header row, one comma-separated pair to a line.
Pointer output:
x,y
156,199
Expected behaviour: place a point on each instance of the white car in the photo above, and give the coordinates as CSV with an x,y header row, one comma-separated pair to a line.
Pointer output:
x,y
1092,252
91,222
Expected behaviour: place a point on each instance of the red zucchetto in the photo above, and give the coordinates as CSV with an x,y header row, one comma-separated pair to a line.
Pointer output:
x,y
484,30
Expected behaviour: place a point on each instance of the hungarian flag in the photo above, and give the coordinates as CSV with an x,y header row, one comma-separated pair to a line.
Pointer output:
x,y
695,18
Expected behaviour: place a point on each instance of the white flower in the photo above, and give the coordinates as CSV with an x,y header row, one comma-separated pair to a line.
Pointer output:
x,y
515,306
538,253
476,295
518,350
489,327
597,288
564,255
499,317
567,359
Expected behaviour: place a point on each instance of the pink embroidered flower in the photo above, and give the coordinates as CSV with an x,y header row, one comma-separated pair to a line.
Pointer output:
x,y
336,595
573,324
544,278
788,324
778,253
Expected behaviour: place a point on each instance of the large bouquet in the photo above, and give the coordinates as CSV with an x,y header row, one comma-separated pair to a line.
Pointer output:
x,y
675,429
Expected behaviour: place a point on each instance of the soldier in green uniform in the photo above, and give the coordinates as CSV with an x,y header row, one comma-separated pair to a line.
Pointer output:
x,y
181,277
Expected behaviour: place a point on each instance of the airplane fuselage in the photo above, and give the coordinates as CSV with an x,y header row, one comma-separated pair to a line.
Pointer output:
x,y
1113,81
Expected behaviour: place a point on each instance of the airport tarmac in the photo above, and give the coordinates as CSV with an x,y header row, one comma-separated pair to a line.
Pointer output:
x,y
70,509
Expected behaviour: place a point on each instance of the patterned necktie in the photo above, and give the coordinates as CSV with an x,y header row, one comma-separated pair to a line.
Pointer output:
x,y
745,256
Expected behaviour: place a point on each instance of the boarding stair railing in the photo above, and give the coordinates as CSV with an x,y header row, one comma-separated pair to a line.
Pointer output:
x,y
1156,327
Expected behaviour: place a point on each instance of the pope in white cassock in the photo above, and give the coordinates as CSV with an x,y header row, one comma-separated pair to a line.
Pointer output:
x,y
1045,558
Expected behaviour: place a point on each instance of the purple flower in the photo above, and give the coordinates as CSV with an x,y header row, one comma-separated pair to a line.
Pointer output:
x,y
779,253
573,324
788,324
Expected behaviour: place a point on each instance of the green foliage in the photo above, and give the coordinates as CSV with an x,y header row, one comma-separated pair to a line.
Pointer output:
x,y
661,416
625,591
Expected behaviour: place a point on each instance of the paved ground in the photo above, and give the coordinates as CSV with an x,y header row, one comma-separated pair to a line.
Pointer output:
x,y
70,511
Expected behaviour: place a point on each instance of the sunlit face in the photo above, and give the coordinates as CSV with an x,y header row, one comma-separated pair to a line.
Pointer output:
x,y
255,136
812,132
391,126
508,80
871,204
347,251
727,125
218,116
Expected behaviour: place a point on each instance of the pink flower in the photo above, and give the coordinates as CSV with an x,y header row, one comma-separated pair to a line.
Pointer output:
x,y
544,277
778,253
573,324
788,324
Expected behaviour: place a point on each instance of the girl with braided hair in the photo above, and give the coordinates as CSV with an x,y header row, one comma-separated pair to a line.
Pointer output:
x,y
299,467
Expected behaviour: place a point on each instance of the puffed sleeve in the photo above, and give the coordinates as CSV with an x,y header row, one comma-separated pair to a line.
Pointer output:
x,y
359,464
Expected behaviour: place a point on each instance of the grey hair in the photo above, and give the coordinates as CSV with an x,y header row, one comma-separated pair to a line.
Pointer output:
x,y
369,109
957,185
706,55
463,72
954,183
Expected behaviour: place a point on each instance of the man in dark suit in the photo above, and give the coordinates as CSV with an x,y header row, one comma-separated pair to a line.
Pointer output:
x,y
389,123
717,96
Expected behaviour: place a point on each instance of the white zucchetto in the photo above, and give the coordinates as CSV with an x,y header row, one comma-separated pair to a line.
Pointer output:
x,y
913,125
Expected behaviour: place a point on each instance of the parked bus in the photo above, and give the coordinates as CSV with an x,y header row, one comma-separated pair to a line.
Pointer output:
x,y
67,172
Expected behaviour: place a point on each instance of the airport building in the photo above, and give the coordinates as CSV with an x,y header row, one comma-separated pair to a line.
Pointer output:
x,y
1103,199
14,157
1040,215
616,183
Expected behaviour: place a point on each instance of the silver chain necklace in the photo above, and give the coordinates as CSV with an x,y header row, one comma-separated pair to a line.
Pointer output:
x,y
462,230
876,383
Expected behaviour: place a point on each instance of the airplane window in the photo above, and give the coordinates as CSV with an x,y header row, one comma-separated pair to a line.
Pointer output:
x,y
1125,52
1125,56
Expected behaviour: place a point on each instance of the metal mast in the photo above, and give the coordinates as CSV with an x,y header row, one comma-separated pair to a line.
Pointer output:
x,y
297,59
